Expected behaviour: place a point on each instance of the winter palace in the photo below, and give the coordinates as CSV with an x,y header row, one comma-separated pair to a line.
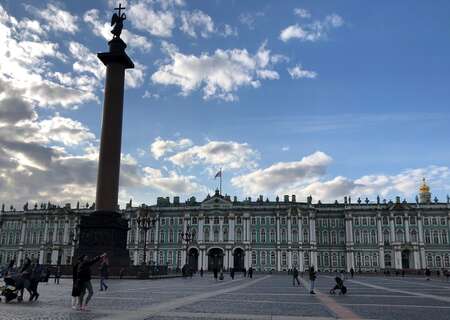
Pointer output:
x,y
267,235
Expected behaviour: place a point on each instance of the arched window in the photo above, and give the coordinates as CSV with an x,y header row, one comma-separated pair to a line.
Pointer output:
x,y
263,258
342,237
306,259
413,235
398,220
170,236
427,236
283,235
151,237
206,233
294,235
435,237
272,258
305,236
216,220
194,220
238,234
373,237
253,236
333,237
438,262
365,237
446,261
387,260
429,261
357,237
169,258
325,237
375,260
262,235
161,258
272,235
283,258
225,234
333,260
366,261
444,236
216,235
385,220
194,234
295,259
161,236
326,260
254,262
399,236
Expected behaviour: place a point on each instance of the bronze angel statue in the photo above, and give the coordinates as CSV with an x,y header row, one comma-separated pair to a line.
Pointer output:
x,y
117,22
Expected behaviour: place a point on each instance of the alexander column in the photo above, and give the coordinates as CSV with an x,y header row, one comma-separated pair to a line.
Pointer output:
x,y
105,230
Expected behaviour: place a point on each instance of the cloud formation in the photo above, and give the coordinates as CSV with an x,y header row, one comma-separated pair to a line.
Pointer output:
x,y
219,75
160,147
314,31
298,72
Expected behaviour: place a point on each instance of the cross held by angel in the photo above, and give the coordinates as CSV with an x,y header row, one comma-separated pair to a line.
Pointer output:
x,y
117,21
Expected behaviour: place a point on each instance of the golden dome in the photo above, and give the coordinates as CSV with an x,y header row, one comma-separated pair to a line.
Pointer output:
x,y
424,188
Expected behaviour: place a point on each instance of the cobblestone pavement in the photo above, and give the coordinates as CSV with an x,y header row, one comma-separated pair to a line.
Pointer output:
x,y
263,297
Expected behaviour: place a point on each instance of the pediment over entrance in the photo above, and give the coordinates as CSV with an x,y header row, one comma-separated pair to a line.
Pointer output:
x,y
217,201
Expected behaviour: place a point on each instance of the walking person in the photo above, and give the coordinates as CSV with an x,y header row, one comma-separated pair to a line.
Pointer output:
x,y
121,273
104,264
352,272
201,272
245,273
75,283
250,272
84,280
295,277
25,283
312,279
428,274
35,278
232,273
57,274
215,273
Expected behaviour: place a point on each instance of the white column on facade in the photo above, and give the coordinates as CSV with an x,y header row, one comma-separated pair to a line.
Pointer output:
x,y
221,229
66,231
20,256
278,228
380,242
312,230
289,258
289,220
55,231
135,257
300,228
278,260
416,257
301,260
231,259
419,222
211,234
392,228
398,259
157,232
200,229
205,260
231,223
248,230
406,219
42,254
225,259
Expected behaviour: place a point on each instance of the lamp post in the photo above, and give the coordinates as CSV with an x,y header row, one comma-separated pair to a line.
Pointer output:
x,y
145,222
187,237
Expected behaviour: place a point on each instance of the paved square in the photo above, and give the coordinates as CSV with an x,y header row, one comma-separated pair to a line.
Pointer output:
x,y
263,297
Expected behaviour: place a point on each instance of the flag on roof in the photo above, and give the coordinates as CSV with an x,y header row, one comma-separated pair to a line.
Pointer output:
x,y
218,174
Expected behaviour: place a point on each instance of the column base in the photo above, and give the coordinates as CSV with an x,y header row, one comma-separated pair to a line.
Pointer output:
x,y
105,232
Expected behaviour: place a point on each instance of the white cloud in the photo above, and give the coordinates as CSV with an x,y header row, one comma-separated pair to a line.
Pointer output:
x,y
302,13
283,174
56,18
249,19
173,183
160,147
65,130
134,78
313,31
219,75
218,154
149,95
285,148
298,72
196,20
145,18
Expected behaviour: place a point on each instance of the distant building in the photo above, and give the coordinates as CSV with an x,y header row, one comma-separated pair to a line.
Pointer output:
x,y
267,235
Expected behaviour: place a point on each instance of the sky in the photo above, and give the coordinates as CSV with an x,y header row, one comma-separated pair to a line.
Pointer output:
x,y
320,98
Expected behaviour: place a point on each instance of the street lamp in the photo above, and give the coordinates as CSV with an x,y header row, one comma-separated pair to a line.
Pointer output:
x,y
145,222
187,237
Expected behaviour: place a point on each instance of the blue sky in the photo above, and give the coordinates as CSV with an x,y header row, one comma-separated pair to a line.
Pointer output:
x,y
324,98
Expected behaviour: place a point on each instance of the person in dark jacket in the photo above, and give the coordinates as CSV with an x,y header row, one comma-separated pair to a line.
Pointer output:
x,y
104,273
352,272
295,277
35,278
232,273
250,272
201,272
312,279
216,272
25,277
84,280
75,284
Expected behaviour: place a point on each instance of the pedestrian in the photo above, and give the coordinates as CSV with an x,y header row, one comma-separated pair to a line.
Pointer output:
x,y
104,273
250,272
312,279
295,277
57,274
427,274
352,272
36,274
201,272
25,275
75,283
232,273
84,280
121,273
403,273
245,273
215,273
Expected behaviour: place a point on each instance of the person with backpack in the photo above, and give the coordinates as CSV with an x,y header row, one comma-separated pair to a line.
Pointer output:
x,y
295,277
75,284
84,279
312,279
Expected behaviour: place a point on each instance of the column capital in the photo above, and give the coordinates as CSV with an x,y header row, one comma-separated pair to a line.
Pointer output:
x,y
116,54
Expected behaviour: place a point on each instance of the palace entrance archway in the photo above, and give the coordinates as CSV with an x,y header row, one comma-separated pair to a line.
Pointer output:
x,y
215,259
239,256
193,259
405,259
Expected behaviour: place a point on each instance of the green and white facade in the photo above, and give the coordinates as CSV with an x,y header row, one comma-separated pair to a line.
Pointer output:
x,y
267,235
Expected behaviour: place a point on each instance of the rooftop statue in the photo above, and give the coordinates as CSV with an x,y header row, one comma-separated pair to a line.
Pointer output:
x,y
117,21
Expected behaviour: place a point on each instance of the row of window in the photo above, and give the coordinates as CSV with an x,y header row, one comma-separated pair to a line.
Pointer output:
x,y
31,238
